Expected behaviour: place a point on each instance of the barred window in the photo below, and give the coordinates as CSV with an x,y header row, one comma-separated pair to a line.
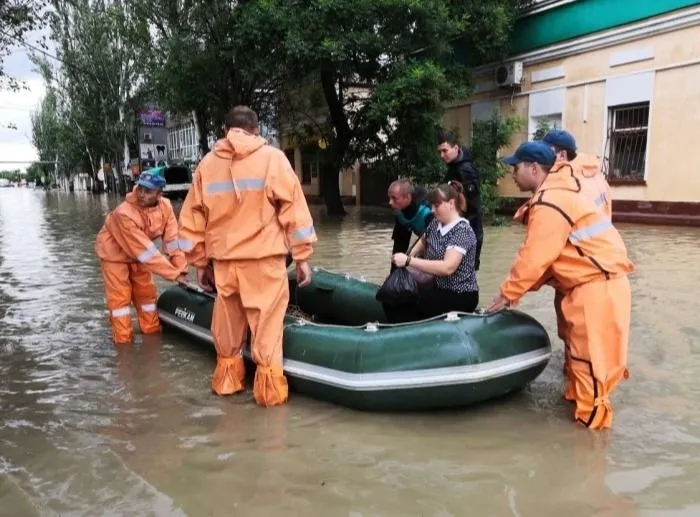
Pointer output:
x,y
626,145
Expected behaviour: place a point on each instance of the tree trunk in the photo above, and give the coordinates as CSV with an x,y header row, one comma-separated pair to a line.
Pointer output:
x,y
330,166
329,179
200,121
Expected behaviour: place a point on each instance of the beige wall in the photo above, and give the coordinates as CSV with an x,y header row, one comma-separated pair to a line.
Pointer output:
x,y
666,65
348,178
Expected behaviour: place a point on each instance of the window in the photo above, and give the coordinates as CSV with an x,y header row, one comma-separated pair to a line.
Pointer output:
x,y
309,163
183,142
309,169
289,153
626,145
539,126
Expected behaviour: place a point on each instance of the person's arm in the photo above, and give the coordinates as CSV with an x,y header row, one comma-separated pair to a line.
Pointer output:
x,y
138,246
401,237
171,240
419,247
293,212
193,224
461,239
444,267
547,234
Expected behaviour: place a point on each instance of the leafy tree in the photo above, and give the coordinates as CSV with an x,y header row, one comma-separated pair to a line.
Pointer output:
x,y
201,59
489,137
385,69
17,19
543,127
13,175
87,115
35,173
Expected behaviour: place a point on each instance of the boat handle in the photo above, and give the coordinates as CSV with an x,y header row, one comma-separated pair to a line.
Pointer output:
x,y
324,289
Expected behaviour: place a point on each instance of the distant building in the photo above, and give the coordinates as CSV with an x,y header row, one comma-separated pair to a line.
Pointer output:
x,y
152,138
183,138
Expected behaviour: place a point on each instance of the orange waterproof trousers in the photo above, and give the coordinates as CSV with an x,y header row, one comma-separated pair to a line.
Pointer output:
x,y
251,293
562,331
124,284
599,315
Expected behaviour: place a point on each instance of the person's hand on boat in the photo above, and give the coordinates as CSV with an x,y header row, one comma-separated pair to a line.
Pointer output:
x,y
399,259
182,279
205,278
303,274
498,303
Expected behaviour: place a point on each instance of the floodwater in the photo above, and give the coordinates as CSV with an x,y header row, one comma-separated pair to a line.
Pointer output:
x,y
88,429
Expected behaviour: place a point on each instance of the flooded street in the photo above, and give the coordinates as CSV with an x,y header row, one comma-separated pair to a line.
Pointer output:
x,y
88,429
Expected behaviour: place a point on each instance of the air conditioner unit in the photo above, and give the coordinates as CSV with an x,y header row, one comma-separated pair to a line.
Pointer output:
x,y
509,74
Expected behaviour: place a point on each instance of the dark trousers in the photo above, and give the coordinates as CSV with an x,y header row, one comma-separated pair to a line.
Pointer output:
x,y
479,243
433,302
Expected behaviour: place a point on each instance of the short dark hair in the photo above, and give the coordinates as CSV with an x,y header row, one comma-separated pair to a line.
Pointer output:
x,y
405,186
241,117
570,155
447,137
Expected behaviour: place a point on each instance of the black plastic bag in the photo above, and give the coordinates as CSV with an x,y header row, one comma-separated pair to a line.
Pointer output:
x,y
399,287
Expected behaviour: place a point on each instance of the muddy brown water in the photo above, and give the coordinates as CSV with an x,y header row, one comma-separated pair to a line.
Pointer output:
x,y
87,429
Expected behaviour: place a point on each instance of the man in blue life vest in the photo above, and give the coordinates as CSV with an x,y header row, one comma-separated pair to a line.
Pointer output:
x,y
412,213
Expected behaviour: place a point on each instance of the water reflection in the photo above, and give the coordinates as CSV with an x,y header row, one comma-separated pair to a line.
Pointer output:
x,y
92,429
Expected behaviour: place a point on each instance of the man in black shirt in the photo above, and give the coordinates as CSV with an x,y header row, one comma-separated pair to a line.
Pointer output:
x,y
461,167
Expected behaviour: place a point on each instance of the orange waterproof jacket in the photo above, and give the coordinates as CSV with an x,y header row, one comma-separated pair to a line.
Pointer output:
x,y
593,184
129,231
569,241
245,203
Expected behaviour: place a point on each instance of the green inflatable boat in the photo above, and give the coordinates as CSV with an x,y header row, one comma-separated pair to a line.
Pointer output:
x,y
342,350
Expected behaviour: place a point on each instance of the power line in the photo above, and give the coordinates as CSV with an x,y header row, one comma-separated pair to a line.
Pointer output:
x,y
30,46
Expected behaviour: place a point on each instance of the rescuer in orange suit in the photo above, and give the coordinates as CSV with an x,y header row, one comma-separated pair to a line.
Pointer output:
x,y
587,170
128,256
243,214
574,244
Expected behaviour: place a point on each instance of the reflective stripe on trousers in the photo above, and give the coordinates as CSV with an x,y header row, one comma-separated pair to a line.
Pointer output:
x,y
121,311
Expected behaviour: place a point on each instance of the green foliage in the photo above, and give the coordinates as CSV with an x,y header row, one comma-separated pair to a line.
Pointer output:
x,y
368,78
206,57
14,175
543,127
93,93
411,101
489,137
385,67
17,19
37,173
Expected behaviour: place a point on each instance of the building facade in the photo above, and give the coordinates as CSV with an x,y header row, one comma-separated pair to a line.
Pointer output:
x,y
623,78
183,138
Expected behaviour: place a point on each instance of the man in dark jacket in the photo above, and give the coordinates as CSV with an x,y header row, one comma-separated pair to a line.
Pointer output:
x,y
412,213
461,167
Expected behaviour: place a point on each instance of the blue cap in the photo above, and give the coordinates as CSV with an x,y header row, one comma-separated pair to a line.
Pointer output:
x,y
561,139
535,152
151,181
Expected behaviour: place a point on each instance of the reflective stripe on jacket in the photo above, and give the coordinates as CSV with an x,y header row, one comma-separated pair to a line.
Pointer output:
x,y
129,231
569,241
245,202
